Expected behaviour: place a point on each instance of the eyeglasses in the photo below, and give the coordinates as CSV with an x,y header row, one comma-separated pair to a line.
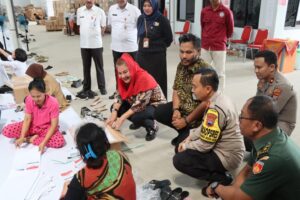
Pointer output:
x,y
246,118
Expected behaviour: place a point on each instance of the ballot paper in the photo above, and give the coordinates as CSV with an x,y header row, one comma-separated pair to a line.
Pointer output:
x,y
23,175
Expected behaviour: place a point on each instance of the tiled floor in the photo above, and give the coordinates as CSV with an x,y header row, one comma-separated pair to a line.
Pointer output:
x,y
150,160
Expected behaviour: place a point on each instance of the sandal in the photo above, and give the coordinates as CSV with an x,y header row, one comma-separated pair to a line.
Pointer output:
x,y
165,193
175,194
160,184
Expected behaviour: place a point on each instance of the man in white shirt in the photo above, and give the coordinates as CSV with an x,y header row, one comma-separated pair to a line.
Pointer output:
x,y
123,20
16,61
92,22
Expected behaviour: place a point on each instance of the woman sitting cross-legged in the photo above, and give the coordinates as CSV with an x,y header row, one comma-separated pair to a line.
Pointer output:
x,y
40,125
107,174
136,99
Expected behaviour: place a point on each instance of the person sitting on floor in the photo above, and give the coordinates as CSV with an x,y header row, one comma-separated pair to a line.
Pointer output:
x,y
16,61
216,146
183,112
40,125
107,174
52,86
136,99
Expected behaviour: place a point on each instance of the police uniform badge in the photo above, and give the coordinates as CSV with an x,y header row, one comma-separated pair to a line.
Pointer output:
x,y
276,93
257,167
221,14
210,130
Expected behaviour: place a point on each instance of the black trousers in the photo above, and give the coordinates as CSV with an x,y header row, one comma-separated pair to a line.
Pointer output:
x,y
97,55
155,63
206,166
144,118
116,56
163,114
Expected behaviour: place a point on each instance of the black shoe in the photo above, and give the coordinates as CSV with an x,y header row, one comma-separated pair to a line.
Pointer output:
x,y
103,91
134,126
151,133
83,95
112,96
174,141
91,94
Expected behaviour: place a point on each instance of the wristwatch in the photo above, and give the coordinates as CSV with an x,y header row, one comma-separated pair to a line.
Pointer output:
x,y
213,186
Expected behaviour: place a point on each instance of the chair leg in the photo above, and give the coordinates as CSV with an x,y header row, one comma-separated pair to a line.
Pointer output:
x,y
251,53
245,53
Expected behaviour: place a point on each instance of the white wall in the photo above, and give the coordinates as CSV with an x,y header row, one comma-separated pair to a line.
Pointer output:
x,y
280,30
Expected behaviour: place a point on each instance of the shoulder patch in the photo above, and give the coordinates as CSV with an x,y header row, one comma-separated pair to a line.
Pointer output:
x,y
210,129
276,93
257,167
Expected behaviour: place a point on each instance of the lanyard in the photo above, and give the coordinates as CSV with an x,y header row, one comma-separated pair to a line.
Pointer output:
x,y
145,23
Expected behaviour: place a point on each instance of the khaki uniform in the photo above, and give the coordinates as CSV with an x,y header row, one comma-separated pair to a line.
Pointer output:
x,y
281,90
275,168
53,88
220,132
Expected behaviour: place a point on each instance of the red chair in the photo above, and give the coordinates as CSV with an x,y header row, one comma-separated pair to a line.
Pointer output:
x,y
186,28
261,35
245,36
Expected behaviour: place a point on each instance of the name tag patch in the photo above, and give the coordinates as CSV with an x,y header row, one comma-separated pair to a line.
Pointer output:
x,y
210,129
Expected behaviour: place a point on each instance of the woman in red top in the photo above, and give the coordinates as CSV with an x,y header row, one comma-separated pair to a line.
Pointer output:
x,y
136,99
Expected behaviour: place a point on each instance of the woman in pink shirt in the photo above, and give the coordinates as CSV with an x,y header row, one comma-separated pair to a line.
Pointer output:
x,y
40,125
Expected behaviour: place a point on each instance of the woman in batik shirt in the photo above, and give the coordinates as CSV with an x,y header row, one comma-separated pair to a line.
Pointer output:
x,y
136,99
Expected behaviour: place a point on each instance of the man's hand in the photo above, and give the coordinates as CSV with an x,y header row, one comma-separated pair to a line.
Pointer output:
x,y
179,123
210,193
176,115
181,147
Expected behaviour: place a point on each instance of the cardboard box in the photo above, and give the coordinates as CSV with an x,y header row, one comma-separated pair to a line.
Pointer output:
x,y
20,87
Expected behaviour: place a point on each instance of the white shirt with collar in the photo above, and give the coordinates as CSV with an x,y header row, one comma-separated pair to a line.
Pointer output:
x,y
123,27
90,22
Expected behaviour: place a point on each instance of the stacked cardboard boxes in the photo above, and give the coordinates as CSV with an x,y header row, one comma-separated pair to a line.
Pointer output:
x,y
30,10
20,87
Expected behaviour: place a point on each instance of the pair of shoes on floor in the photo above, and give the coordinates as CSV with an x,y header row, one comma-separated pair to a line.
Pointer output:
x,y
112,96
177,194
62,74
151,132
96,101
134,126
41,58
103,91
86,94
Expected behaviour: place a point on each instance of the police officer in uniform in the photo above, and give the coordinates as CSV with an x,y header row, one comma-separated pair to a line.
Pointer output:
x,y
272,83
273,171
217,145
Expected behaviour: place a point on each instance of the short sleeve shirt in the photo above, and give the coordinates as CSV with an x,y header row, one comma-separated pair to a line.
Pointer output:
x,y
183,85
123,27
90,22
41,117
275,168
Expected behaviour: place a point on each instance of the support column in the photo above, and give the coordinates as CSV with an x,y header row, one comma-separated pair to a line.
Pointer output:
x,y
12,23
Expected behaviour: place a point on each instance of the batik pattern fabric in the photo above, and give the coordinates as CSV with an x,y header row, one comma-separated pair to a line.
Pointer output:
x,y
112,181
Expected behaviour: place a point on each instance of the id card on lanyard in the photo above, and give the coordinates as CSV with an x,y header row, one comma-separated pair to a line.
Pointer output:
x,y
146,39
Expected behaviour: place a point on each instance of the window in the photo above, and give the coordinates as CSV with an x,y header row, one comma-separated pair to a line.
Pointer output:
x,y
292,17
185,10
245,12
